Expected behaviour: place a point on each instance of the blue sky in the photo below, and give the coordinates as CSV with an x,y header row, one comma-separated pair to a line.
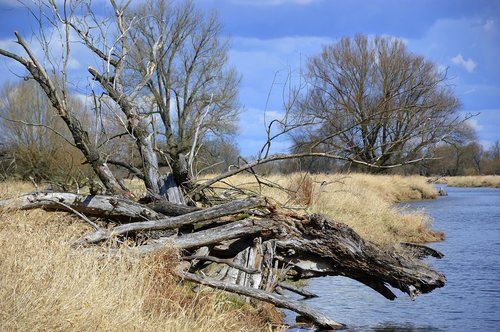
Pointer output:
x,y
272,38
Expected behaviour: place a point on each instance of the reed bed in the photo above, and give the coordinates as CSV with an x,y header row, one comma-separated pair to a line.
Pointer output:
x,y
490,181
364,202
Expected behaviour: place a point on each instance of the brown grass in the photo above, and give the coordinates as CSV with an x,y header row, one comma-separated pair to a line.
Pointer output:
x,y
45,285
364,202
490,181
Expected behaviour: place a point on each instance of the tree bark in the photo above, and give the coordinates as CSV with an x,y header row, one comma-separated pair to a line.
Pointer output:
x,y
234,230
170,209
114,208
319,247
176,222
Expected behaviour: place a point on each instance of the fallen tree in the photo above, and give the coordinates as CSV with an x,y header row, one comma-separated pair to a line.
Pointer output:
x,y
250,247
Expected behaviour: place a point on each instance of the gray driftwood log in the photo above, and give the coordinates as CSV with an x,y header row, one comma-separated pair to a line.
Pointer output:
x,y
111,207
249,253
280,301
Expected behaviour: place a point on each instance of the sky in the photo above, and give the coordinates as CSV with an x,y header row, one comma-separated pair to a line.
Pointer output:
x,y
271,41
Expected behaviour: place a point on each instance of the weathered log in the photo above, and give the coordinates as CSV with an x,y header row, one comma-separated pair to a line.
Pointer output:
x,y
319,247
110,207
171,190
314,246
251,258
176,222
234,230
225,261
171,209
315,316
422,251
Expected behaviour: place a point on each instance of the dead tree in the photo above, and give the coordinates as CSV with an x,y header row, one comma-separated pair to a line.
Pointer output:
x,y
249,247
148,58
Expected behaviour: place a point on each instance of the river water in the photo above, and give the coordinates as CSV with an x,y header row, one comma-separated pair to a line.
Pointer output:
x,y
470,301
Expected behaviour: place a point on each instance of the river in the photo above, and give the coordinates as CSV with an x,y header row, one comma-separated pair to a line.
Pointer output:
x,y
470,301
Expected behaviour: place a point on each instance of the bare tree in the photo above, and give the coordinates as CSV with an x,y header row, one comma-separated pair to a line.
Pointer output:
x,y
37,140
158,59
194,93
52,76
373,100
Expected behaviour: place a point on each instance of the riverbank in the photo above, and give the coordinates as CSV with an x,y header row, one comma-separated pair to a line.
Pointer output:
x,y
364,202
485,181
46,285
469,302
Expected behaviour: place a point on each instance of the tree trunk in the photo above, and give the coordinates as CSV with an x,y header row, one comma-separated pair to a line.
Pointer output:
x,y
114,208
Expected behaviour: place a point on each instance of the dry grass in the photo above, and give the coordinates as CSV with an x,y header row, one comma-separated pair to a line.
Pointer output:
x,y
364,202
45,285
490,181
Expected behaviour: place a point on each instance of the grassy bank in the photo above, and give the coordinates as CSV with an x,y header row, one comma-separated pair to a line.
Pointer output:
x,y
490,181
364,202
45,285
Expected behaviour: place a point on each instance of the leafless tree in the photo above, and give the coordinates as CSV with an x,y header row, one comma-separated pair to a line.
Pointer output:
x,y
373,100
37,140
52,75
194,92
161,58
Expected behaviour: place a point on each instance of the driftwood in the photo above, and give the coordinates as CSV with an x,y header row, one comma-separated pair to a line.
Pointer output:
x,y
171,209
278,300
114,208
422,251
250,253
175,222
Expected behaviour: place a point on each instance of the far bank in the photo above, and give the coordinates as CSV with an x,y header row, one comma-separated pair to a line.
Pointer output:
x,y
363,201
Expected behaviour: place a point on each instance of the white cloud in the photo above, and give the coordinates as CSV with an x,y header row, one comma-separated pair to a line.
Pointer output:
x,y
268,65
253,125
474,123
487,144
254,55
269,68
468,64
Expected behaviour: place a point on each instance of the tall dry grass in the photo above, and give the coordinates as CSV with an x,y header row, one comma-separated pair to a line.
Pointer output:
x,y
490,181
364,202
46,285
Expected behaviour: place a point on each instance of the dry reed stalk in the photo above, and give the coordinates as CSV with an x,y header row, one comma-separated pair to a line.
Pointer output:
x,y
490,181
364,202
